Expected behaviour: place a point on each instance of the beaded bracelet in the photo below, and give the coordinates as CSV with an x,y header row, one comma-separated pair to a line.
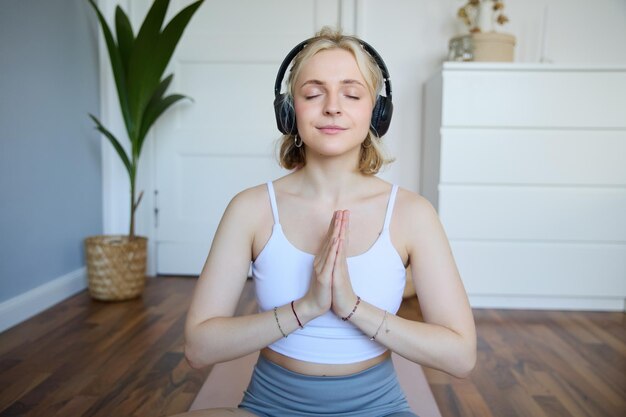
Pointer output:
x,y
296,314
277,322
358,300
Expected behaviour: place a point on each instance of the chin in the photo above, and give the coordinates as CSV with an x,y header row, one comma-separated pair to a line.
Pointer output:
x,y
333,151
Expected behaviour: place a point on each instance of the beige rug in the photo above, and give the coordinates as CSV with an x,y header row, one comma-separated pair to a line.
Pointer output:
x,y
227,381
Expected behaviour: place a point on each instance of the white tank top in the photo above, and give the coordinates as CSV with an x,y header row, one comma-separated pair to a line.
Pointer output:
x,y
283,272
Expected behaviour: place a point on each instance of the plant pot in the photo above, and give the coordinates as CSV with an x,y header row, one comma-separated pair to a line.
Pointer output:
x,y
116,266
493,46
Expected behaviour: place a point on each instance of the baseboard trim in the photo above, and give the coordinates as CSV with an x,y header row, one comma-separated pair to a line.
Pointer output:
x,y
548,302
22,307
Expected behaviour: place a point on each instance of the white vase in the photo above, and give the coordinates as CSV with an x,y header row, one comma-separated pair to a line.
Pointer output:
x,y
486,16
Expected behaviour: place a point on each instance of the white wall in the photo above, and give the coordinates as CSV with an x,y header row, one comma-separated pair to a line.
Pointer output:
x,y
412,36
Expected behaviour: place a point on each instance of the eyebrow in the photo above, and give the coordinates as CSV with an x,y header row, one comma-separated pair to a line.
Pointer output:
x,y
343,82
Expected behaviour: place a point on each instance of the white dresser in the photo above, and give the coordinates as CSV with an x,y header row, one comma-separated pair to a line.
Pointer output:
x,y
526,165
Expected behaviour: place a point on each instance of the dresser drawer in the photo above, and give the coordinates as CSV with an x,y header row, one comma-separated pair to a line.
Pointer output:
x,y
534,98
530,156
530,213
547,269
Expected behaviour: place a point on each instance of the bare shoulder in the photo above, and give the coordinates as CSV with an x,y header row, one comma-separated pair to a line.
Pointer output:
x,y
247,211
414,210
250,202
413,223
250,195
419,228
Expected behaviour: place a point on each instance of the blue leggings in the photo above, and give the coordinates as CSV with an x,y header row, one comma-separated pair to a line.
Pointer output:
x,y
276,392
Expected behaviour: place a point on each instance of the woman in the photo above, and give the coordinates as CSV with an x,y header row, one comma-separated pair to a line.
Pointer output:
x,y
329,244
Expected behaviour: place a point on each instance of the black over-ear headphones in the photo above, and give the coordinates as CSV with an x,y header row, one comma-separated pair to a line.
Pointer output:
x,y
283,105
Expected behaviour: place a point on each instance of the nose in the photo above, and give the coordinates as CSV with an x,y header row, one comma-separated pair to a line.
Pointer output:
x,y
332,106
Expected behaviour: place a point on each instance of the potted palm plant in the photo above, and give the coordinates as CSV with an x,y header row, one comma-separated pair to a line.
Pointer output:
x,y
116,264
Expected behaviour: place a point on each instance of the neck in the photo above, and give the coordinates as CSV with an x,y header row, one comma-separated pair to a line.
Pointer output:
x,y
332,179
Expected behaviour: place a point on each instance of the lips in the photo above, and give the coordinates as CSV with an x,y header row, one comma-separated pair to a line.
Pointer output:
x,y
331,129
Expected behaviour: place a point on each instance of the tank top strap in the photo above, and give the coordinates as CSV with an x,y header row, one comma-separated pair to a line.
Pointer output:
x,y
270,190
390,205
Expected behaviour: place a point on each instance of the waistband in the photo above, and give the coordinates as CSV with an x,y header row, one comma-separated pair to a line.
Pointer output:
x,y
277,391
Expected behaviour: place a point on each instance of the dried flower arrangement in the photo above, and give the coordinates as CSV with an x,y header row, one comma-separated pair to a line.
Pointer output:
x,y
469,13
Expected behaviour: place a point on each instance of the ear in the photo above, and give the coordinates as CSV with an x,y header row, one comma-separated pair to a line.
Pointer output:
x,y
381,116
285,114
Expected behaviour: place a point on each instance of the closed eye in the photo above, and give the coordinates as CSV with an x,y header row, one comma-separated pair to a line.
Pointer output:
x,y
352,92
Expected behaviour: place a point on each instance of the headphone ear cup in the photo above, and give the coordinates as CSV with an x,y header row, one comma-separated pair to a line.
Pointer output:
x,y
381,116
285,115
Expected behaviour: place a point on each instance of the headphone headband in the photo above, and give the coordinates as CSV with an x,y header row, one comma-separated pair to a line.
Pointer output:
x,y
299,47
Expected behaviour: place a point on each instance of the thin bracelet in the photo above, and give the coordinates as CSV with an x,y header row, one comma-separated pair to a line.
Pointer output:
x,y
358,300
295,314
380,326
277,322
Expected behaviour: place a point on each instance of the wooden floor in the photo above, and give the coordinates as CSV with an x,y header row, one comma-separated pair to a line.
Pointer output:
x,y
88,358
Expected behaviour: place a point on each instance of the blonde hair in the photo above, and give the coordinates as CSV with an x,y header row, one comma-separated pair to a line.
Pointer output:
x,y
372,157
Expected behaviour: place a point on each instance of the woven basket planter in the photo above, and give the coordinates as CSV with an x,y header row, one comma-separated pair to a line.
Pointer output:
x,y
116,266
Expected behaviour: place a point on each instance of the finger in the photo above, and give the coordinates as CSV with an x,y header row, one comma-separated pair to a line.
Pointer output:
x,y
327,243
340,258
347,228
345,222
334,223
345,225
333,230
337,224
332,256
340,268
329,247
341,248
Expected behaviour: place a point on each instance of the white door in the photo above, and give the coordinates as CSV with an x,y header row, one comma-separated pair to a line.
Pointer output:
x,y
224,141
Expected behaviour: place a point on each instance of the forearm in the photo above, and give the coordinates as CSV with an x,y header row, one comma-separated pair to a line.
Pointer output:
x,y
221,339
428,344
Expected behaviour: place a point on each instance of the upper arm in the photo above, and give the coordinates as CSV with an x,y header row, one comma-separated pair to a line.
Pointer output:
x,y
226,268
437,281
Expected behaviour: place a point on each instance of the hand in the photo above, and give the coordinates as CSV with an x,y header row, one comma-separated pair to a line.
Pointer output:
x,y
319,295
343,296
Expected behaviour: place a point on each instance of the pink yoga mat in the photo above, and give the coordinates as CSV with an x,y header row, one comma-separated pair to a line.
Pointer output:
x,y
227,381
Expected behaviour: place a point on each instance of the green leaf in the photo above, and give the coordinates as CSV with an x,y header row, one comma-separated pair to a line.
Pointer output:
x,y
153,21
142,77
171,35
116,144
148,64
158,93
125,37
116,66
153,112
163,86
